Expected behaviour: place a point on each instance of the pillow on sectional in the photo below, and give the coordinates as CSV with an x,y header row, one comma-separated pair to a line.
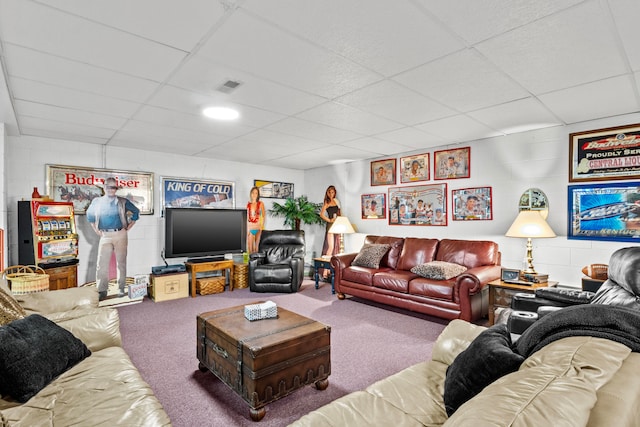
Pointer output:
x,y
488,357
371,254
10,309
439,270
34,351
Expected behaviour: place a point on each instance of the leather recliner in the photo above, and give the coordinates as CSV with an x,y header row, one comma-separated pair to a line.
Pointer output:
x,y
278,266
621,288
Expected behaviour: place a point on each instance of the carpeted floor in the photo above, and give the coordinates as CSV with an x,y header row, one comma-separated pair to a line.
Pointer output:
x,y
368,343
113,300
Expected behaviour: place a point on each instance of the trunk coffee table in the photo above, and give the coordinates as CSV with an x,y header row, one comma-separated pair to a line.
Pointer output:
x,y
266,359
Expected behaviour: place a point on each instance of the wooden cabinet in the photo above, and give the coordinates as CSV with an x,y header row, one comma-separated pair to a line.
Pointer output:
x,y
62,277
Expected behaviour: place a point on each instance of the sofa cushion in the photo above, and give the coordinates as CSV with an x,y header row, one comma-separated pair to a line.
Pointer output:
x,y
487,358
416,251
33,351
370,255
393,280
391,258
439,270
430,288
470,253
10,309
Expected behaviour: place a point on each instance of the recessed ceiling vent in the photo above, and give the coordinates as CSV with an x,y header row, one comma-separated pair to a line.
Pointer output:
x,y
229,86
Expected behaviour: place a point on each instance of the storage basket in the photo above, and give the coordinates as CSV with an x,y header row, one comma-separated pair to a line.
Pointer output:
x,y
26,279
240,276
210,285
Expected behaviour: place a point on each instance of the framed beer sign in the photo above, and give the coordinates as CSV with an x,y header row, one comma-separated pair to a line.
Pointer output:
x,y
80,185
605,154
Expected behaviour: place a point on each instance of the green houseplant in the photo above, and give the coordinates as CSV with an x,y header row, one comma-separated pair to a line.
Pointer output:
x,y
296,211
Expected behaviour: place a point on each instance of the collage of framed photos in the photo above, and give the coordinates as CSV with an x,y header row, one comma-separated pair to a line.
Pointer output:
x,y
425,204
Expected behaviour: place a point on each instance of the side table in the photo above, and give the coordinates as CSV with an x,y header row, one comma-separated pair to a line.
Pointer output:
x,y
196,267
501,293
319,263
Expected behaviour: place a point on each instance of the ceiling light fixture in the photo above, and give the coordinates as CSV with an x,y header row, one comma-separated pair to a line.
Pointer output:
x,y
221,113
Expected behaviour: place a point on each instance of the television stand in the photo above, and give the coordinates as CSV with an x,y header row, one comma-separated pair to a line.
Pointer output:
x,y
195,267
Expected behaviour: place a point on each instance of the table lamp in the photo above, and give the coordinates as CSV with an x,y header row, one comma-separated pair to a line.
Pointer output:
x,y
530,224
341,226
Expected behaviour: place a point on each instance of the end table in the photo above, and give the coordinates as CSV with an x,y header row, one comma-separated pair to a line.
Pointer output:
x,y
319,263
501,293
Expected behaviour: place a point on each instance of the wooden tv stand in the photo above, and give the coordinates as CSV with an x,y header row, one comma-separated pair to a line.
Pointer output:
x,y
198,267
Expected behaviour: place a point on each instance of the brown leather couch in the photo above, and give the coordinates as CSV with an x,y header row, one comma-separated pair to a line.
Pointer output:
x,y
103,389
462,297
574,382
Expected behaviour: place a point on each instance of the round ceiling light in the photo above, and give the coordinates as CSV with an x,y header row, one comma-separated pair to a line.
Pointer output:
x,y
221,113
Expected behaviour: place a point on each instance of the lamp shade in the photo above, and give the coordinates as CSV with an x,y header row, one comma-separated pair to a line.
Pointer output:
x,y
530,224
341,226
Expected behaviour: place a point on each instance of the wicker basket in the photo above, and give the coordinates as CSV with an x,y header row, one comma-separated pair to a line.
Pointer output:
x,y
240,276
210,285
26,279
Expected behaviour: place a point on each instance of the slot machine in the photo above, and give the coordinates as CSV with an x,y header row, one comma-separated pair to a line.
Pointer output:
x,y
47,237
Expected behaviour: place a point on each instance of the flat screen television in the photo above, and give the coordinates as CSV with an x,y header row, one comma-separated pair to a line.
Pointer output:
x,y
204,233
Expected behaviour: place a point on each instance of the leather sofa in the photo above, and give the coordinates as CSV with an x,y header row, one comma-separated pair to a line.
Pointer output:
x,y
278,266
104,388
462,297
574,381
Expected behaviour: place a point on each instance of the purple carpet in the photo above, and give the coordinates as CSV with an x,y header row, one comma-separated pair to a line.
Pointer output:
x,y
368,342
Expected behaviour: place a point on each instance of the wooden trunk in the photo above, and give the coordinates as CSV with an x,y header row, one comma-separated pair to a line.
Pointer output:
x,y
264,360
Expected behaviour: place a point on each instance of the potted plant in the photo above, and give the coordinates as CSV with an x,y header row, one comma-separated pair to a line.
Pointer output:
x,y
297,210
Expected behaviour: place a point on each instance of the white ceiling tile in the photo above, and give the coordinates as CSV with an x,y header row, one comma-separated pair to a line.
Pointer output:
x,y
32,65
205,139
566,49
348,118
331,155
463,80
178,24
458,128
63,130
377,146
177,99
411,137
626,14
387,37
68,134
40,27
67,115
390,100
480,20
516,116
201,74
29,90
252,45
293,144
604,98
314,131
143,140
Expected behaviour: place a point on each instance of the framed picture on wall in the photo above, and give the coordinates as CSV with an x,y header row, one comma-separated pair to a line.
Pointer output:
x,y
197,193
452,164
383,172
605,154
604,212
418,205
373,206
273,189
414,168
80,185
470,204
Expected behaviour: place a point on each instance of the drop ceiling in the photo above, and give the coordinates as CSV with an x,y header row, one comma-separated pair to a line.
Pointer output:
x,y
320,81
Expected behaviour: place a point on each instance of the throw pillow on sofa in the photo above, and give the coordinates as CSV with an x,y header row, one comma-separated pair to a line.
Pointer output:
x,y
10,309
34,351
439,270
371,254
488,357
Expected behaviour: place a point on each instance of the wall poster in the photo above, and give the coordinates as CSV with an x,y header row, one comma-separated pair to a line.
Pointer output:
x,y
197,193
604,212
418,205
273,189
80,185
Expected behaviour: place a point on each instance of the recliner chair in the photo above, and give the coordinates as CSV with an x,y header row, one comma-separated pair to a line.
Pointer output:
x,y
278,266
621,288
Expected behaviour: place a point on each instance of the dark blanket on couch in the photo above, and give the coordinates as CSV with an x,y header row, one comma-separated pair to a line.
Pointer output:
x,y
614,323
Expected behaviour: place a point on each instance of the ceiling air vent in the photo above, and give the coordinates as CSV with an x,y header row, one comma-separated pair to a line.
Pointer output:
x,y
228,86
